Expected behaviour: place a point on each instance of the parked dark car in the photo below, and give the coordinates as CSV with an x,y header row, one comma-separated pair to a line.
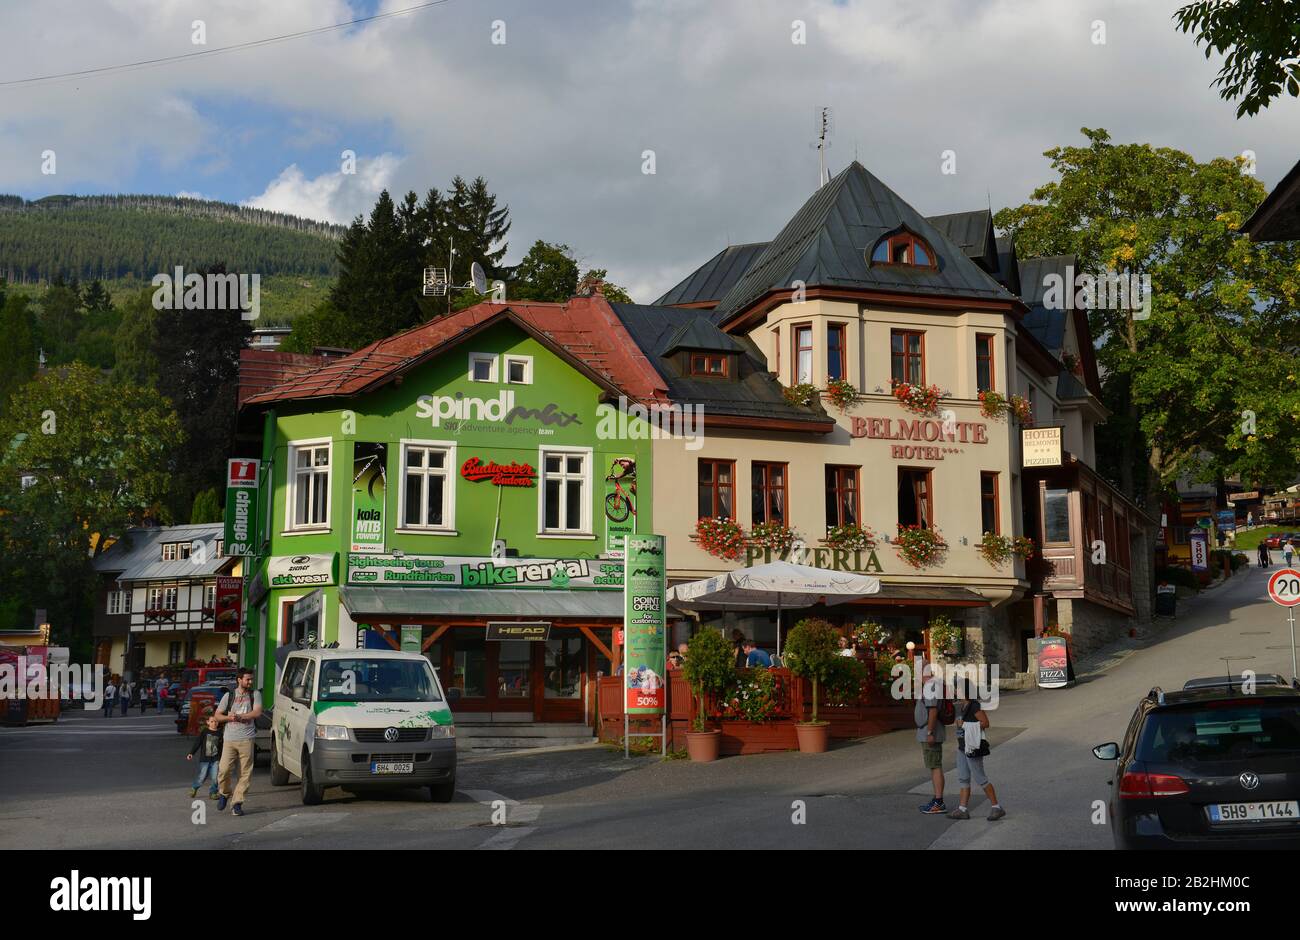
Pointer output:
x,y
1210,766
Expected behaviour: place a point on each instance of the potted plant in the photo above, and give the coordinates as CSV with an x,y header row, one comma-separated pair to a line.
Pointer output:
x,y
841,393
1021,408
918,399
773,535
920,547
992,404
709,669
805,393
945,636
720,537
850,537
810,652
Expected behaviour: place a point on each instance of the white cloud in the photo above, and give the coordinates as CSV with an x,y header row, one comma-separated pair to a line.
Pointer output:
x,y
331,197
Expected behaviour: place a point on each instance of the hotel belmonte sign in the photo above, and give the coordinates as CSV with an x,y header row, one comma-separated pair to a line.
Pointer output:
x,y
1040,447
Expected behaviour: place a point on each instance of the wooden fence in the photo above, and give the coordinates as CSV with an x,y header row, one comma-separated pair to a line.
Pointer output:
x,y
871,712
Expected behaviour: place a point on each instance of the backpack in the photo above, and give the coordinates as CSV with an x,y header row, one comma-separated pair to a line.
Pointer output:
x,y
947,712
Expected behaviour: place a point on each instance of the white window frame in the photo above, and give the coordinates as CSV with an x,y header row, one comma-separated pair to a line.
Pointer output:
x,y
154,599
493,359
589,456
291,506
221,547
170,598
526,361
169,548
210,595
451,472
115,600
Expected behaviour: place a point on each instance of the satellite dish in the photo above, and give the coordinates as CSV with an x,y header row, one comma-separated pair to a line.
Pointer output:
x,y
478,278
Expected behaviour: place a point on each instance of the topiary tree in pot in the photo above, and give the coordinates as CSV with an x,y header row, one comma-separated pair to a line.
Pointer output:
x,y
710,667
810,652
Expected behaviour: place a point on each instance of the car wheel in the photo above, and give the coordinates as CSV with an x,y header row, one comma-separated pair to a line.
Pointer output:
x,y
443,792
279,776
311,794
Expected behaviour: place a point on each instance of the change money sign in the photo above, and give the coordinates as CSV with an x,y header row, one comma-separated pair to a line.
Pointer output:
x,y
644,639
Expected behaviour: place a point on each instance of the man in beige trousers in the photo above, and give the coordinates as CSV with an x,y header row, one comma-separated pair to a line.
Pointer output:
x,y
236,714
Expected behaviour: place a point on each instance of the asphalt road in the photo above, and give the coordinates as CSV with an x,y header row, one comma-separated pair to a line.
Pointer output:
x,y
90,782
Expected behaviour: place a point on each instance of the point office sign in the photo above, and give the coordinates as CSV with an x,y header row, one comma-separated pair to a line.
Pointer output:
x,y
242,499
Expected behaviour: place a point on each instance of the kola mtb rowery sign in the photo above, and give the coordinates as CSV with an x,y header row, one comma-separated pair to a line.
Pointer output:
x,y
368,490
458,571
241,506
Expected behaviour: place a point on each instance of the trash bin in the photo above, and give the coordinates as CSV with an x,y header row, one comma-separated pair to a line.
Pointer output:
x,y
1166,604
15,713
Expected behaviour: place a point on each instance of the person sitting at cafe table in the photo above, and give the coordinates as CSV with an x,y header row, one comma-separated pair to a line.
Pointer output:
x,y
755,656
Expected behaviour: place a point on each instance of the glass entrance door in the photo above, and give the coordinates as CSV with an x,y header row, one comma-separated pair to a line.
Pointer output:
x,y
489,676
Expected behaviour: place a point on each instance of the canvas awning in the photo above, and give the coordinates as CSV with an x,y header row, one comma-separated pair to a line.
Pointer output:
x,y
365,603
776,585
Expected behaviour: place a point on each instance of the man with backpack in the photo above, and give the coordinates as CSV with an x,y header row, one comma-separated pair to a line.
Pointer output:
x,y
236,714
932,712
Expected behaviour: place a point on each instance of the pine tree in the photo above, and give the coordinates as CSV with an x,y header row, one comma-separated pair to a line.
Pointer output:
x,y
18,351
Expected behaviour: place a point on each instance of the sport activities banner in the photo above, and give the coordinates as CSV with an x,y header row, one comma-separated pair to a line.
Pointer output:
x,y
645,641
368,490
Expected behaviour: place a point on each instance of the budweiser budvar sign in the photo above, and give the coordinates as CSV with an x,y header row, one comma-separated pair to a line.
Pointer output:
x,y
921,431
511,474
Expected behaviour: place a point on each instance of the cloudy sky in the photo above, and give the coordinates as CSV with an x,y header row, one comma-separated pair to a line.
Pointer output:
x,y
558,116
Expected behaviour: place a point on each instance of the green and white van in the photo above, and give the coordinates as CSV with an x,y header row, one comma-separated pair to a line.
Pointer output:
x,y
360,719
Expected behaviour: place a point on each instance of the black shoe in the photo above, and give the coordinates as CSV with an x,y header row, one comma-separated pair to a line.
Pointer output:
x,y
238,810
221,803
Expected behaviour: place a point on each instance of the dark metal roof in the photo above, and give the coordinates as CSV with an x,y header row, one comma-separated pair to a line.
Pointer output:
x,y
1277,218
753,392
711,280
1008,274
972,232
827,242
1034,273
1069,386
1047,325
699,333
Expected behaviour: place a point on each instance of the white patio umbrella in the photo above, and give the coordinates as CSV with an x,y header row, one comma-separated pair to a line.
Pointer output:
x,y
776,584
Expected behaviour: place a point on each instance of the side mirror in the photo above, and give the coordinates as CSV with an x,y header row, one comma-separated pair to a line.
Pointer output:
x,y
1108,751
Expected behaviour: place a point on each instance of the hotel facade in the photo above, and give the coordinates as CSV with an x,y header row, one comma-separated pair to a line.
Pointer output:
x,y
463,475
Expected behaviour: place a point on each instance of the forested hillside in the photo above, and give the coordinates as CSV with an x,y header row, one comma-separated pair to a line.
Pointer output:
x,y
112,238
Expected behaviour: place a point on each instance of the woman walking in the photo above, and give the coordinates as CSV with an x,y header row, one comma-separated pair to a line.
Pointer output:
x,y
972,748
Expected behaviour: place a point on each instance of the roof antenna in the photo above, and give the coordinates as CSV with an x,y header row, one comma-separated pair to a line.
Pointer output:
x,y
825,127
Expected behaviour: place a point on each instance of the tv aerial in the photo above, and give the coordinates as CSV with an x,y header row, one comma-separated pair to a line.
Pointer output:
x,y
437,282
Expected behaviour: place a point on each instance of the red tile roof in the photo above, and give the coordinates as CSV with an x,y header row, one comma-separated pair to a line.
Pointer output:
x,y
263,369
584,329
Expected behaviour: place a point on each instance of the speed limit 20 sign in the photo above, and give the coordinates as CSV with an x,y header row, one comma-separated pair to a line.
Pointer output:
x,y
1284,587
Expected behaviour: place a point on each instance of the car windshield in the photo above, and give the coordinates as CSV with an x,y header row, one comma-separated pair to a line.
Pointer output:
x,y
1222,731
377,680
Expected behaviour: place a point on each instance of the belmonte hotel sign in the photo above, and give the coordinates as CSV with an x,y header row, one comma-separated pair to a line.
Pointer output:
x,y
1040,447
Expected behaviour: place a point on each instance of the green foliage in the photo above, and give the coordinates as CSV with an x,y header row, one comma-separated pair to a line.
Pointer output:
x,y
18,351
810,652
710,668
100,455
1213,370
1179,577
754,697
136,341
547,273
207,507
111,237
844,679
944,635
1260,42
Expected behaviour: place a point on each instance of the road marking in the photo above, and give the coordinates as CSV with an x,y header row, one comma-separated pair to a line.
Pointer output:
x,y
516,813
142,733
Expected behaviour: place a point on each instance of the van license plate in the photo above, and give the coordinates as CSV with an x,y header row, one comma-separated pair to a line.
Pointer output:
x,y
390,767
1288,811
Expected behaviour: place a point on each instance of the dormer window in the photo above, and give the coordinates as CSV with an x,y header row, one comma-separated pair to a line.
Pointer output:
x,y
708,364
903,248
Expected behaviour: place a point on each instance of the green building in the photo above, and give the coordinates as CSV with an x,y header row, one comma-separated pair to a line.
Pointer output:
x,y
448,489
